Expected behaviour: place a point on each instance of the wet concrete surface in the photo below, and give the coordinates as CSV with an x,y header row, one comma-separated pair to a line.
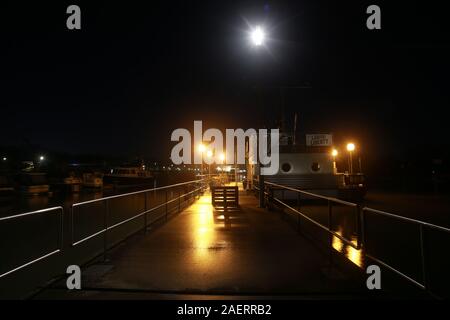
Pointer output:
x,y
201,252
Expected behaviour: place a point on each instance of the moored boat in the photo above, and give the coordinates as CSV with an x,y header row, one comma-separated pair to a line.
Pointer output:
x,y
33,183
130,176
93,180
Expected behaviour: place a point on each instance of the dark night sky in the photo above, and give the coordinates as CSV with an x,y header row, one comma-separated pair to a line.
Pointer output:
x,y
136,72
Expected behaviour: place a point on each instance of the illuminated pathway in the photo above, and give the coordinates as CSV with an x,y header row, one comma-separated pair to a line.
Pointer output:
x,y
251,252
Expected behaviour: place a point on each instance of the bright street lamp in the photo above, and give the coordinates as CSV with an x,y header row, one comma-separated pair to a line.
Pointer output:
x,y
41,158
334,153
350,147
258,36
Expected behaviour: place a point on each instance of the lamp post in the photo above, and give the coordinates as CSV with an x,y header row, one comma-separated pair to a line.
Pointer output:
x,y
334,154
350,149
201,149
209,154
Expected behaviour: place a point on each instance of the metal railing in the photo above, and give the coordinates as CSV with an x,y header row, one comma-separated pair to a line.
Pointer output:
x,y
59,210
330,201
362,229
422,225
199,185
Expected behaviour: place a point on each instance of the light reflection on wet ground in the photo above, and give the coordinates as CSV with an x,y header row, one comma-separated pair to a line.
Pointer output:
x,y
204,233
352,254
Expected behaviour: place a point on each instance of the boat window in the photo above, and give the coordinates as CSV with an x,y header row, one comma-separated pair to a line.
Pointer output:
x,y
315,167
286,167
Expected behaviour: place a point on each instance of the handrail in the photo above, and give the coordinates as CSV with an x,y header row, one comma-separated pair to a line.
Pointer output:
x,y
48,254
351,204
137,192
107,227
361,213
391,215
422,224
349,242
330,200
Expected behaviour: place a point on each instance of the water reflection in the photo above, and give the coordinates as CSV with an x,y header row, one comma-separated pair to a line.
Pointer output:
x,y
19,203
354,255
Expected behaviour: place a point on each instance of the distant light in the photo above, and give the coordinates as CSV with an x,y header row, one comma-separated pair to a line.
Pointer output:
x,y
42,158
201,147
334,153
209,154
258,36
5,158
350,147
222,157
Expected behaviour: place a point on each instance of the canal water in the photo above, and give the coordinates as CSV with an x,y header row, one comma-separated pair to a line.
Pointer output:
x,y
395,243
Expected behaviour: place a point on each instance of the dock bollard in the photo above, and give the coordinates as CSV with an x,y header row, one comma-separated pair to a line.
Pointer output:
x,y
145,213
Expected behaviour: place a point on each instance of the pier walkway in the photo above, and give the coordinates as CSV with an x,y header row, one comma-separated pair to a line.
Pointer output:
x,y
251,252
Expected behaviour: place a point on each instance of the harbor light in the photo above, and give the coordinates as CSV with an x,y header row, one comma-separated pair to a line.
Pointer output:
x,y
258,36
350,147
41,158
201,147
4,158
334,153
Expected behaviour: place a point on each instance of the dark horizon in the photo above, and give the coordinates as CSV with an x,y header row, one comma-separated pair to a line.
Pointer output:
x,y
134,73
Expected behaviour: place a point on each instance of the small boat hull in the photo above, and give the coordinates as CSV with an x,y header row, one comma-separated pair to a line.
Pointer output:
x,y
127,180
35,190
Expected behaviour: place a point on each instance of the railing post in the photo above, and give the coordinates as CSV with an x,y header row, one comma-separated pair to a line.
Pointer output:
x,y
166,205
61,229
330,228
423,257
363,229
358,227
270,198
261,191
105,226
72,227
145,214
299,216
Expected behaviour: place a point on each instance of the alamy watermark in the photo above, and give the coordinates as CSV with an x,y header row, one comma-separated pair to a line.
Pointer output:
x,y
232,151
